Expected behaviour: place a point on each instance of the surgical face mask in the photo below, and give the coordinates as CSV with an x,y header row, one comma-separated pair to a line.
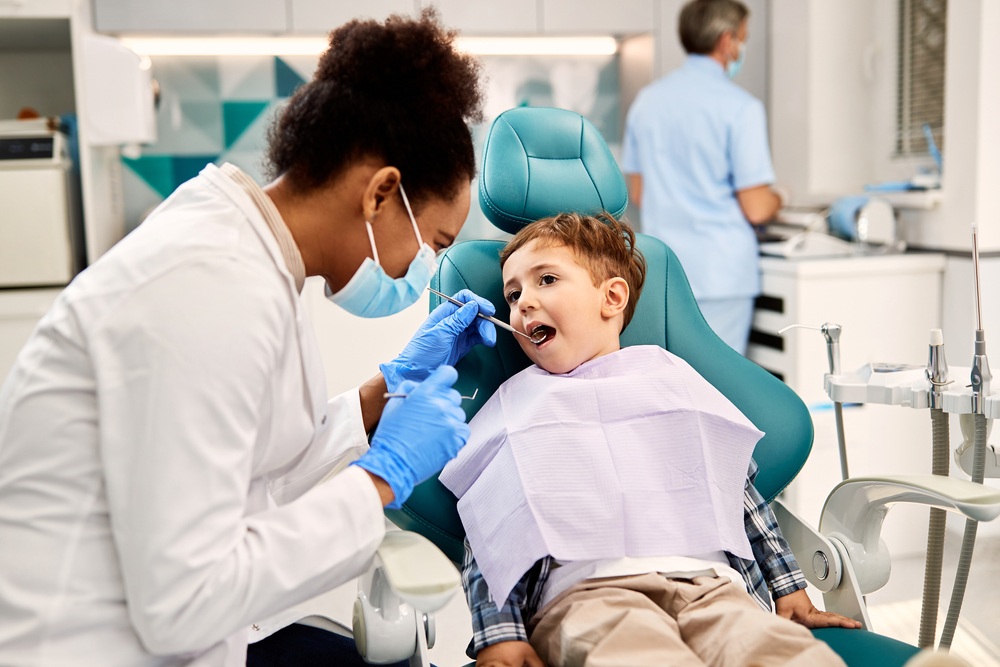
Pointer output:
x,y
372,293
733,68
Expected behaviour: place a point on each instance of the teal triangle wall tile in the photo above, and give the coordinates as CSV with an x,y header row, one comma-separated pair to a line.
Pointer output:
x,y
186,167
238,116
254,137
156,170
286,79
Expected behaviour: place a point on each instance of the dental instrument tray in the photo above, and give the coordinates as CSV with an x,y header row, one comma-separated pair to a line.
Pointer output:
x,y
905,385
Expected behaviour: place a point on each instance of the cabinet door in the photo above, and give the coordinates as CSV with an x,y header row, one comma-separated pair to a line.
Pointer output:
x,y
597,16
489,17
311,16
35,9
191,16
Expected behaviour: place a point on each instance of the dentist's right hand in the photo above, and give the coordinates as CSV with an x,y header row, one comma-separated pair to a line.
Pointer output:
x,y
417,435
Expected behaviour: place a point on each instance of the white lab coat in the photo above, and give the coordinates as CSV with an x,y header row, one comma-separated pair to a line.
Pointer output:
x,y
161,437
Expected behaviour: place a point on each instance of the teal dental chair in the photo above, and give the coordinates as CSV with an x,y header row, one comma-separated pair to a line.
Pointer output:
x,y
540,162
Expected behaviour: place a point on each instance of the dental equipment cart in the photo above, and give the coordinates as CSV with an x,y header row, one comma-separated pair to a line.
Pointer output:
x,y
892,320
943,391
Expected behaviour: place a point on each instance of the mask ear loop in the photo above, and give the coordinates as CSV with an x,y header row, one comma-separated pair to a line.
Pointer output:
x,y
413,220
371,237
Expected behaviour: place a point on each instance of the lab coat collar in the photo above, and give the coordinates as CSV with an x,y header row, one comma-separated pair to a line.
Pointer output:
x,y
705,64
312,365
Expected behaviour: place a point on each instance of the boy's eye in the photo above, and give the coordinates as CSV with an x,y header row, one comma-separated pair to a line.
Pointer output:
x,y
547,279
513,296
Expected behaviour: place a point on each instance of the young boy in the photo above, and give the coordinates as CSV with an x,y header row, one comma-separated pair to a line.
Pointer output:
x,y
605,492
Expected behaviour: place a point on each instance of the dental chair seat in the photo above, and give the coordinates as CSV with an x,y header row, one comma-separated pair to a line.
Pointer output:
x,y
539,162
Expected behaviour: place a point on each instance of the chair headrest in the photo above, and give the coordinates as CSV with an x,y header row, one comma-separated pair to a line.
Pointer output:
x,y
540,162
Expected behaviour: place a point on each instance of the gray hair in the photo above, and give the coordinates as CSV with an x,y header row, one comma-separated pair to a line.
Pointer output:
x,y
703,22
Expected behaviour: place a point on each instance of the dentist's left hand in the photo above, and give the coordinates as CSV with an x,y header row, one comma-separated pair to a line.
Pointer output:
x,y
447,334
418,434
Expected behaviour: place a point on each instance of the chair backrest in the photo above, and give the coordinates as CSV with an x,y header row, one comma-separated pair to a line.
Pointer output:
x,y
519,148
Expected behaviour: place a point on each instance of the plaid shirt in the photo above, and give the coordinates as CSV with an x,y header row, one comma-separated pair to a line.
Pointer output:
x,y
773,568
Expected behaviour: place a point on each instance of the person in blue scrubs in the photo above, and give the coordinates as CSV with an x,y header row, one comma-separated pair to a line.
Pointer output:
x,y
697,158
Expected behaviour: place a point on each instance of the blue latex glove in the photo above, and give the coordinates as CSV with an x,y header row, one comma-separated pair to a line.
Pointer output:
x,y
417,435
444,338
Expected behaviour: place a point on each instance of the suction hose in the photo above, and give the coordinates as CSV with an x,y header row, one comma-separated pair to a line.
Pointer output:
x,y
968,541
935,534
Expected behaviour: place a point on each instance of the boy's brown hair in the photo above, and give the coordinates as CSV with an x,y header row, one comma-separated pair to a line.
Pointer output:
x,y
602,245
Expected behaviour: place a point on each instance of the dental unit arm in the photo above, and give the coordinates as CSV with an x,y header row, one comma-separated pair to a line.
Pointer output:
x,y
846,558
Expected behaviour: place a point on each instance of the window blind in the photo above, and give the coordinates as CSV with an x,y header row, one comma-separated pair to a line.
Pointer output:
x,y
922,40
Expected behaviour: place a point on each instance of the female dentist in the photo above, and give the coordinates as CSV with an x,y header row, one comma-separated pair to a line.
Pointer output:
x,y
170,471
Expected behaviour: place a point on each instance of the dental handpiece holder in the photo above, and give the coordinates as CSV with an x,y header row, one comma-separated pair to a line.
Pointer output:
x,y
917,387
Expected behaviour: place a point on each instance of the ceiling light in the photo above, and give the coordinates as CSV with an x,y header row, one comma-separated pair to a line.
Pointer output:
x,y
313,46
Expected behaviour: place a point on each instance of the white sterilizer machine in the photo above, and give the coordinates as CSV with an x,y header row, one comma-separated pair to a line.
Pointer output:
x,y
41,241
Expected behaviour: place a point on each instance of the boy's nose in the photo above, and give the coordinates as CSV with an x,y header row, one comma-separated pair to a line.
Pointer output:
x,y
527,302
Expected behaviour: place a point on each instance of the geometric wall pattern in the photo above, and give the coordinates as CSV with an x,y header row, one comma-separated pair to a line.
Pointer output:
x,y
218,108
212,109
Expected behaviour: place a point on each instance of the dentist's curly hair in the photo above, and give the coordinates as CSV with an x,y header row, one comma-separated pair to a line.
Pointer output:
x,y
602,245
396,91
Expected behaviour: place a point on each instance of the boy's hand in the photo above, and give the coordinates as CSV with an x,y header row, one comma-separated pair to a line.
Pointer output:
x,y
799,608
509,654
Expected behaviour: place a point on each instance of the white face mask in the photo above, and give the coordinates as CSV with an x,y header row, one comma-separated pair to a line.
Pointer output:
x,y
372,293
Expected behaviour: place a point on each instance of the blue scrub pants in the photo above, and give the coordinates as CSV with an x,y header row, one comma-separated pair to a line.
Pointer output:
x,y
305,646
730,319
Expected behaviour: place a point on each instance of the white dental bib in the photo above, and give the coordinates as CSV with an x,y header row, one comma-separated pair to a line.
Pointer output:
x,y
630,455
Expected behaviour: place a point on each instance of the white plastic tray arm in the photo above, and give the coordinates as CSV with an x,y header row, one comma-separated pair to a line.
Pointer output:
x,y
408,580
851,523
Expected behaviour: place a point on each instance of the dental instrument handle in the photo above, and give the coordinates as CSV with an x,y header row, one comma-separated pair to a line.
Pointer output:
x,y
499,323
975,275
831,332
981,375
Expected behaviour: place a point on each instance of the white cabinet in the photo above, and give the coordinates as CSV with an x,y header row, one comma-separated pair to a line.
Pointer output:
x,y
597,16
20,311
312,16
192,16
489,17
35,9
887,306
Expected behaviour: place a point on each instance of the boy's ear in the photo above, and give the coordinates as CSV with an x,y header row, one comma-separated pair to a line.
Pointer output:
x,y
615,297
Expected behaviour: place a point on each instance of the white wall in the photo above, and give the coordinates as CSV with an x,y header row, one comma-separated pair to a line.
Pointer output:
x,y
821,100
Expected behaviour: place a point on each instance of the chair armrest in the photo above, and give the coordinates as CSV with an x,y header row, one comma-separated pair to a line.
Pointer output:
x,y
417,570
855,509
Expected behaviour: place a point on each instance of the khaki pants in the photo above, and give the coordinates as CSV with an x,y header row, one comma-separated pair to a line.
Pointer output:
x,y
651,620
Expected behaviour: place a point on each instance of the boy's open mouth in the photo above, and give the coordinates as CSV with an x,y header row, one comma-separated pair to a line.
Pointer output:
x,y
542,334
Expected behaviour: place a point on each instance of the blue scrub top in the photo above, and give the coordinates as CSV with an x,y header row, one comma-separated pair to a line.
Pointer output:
x,y
697,138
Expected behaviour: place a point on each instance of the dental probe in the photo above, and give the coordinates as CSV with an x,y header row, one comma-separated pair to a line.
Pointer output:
x,y
390,394
502,325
